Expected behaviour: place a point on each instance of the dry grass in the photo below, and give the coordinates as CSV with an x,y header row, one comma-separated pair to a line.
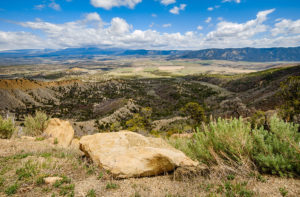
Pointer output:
x,y
48,159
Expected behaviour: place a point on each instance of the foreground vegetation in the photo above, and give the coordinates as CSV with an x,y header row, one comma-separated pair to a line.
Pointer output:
x,y
239,159
233,144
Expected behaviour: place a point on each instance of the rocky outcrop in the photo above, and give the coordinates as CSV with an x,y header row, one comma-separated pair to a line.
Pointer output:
x,y
126,154
60,131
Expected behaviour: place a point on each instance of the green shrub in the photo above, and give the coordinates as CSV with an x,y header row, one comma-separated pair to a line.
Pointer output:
x,y
6,128
258,119
229,140
234,143
40,180
283,191
111,186
140,121
91,193
67,189
277,151
36,125
290,94
12,189
136,123
30,169
58,183
195,111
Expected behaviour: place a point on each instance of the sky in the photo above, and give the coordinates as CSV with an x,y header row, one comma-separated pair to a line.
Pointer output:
x,y
149,24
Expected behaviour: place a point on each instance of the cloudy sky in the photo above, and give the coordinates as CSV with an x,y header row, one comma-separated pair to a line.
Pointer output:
x,y
148,24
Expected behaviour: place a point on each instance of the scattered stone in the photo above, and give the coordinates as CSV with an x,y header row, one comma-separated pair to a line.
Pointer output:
x,y
126,154
61,131
52,180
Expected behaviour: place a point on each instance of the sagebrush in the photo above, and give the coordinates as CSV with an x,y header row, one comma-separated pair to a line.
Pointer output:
x,y
233,143
6,128
35,125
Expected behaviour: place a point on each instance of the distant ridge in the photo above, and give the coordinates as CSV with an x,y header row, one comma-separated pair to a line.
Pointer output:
x,y
232,54
244,54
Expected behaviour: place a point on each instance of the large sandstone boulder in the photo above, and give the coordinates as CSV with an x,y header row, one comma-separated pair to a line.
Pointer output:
x,y
61,131
126,154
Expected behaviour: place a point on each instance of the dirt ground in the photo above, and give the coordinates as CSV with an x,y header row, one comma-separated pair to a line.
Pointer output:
x,y
23,162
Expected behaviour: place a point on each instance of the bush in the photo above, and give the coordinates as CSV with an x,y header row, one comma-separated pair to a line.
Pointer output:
x,y
278,151
36,125
258,119
195,111
91,193
228,140
6,128
140,121
235,144
290,94
12,189
137,123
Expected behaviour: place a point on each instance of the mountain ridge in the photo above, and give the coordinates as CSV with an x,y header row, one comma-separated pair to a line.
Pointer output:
x,y
232,54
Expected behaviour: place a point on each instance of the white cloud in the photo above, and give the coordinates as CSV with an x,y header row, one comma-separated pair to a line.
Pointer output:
x,y
167,2
93,17
167,25
119,26
108,4
237,1
208,20
176,10
210,9
228,30
286,27
89,31
22,40
54,6
39,7
154,15
199,27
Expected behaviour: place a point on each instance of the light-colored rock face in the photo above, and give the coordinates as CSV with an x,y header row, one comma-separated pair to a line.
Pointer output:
x,y
127,154
75,143
61,131
52,180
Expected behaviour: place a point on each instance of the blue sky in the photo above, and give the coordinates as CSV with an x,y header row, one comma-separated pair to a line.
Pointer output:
x,y
149,24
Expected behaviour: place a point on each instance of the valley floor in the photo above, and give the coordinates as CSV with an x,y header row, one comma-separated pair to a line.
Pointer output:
x,y
24,161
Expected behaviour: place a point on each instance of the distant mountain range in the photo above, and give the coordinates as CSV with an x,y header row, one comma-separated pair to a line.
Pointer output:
x,y
244,54
233,54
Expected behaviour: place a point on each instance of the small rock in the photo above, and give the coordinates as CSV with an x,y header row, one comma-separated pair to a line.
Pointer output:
x,y
52,180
